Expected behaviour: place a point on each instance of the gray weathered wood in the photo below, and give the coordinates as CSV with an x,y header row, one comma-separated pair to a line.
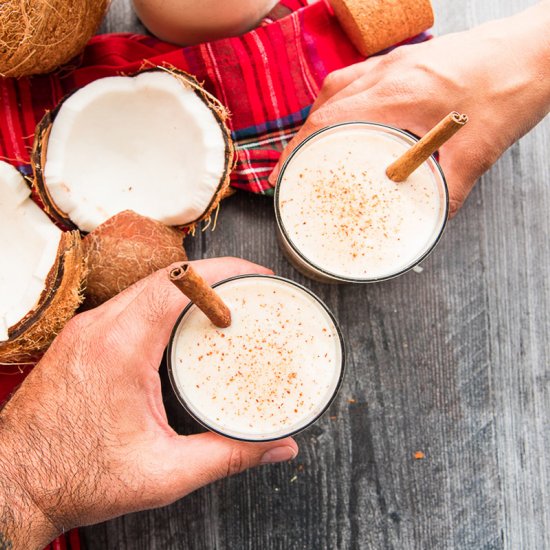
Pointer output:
x,y
454,361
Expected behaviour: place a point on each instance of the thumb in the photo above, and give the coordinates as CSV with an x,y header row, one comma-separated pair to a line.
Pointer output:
x,y
149,317
203,458
461,176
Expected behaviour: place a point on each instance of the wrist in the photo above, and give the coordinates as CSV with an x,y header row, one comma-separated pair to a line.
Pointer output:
x,y
22,522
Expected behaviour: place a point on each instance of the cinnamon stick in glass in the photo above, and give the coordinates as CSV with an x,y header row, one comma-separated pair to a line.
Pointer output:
x,y
406,164
201,294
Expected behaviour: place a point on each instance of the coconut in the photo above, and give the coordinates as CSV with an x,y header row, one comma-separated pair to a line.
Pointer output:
x,y
155,143
37,36
125,249
41,276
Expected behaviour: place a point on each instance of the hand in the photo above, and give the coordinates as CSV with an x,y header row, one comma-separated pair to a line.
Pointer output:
x,y
498,74
86,436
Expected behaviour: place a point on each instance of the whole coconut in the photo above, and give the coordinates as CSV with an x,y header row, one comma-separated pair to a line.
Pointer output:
x,y
37,36
124,249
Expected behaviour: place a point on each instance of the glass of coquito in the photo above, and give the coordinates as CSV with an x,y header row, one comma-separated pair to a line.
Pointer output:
x,y
341,218
269,374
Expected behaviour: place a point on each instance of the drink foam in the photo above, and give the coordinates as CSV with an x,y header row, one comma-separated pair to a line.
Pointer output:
x,y
345,216
272,372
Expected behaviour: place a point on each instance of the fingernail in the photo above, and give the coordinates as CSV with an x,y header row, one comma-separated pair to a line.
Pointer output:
x,y
272,179
278,454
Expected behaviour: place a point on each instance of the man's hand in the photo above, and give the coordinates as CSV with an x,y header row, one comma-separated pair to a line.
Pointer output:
x,y
498,74
86,437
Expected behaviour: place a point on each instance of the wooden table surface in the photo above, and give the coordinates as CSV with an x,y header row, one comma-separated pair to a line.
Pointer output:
x,y
453,362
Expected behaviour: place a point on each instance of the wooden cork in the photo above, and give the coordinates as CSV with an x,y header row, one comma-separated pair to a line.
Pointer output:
x,y
374,25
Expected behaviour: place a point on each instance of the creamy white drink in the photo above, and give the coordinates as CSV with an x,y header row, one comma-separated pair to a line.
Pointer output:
x,y
342,218
271,373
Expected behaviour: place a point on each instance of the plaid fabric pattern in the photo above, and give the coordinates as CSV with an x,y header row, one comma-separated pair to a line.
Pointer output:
x,y
268,79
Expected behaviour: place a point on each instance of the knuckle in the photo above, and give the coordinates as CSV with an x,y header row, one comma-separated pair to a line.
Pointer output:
x,y
322,117
236,462
333,80
454,207
397,55
77,326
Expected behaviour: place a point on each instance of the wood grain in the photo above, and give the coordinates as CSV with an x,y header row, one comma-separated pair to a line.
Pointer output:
x,y
454,362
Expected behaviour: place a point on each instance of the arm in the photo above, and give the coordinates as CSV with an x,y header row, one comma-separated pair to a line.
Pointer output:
x,y
86,437
497,73
22,524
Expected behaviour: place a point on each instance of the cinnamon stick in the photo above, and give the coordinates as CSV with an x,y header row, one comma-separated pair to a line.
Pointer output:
x,y
405,165
201,294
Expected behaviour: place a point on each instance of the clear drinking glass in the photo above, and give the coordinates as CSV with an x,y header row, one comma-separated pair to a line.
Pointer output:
x,y
249,399
299,257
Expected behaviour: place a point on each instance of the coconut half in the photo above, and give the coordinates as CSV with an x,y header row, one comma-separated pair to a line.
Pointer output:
x,y
41,275
155,143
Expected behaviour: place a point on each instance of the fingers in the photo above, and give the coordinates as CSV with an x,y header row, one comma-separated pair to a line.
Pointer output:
x,y
340,84
147,317
214,270
119,302
338,80
461,176
364,106
203,458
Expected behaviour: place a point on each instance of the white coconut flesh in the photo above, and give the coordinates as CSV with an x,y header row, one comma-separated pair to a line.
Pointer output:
x,y
147,143
29,243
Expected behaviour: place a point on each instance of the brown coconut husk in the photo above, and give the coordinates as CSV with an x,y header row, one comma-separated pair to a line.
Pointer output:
x,y
125,249
37,36
43,129
62,295
38,162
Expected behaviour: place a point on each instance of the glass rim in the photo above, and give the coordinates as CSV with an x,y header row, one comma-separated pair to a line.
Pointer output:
x,y
342,278
203,423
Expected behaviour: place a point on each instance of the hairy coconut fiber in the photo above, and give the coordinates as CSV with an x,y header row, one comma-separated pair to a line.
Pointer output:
x,y
37,36
30,338
125,249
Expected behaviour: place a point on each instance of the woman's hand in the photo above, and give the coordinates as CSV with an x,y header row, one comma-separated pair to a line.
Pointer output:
x,y
498,74
86,437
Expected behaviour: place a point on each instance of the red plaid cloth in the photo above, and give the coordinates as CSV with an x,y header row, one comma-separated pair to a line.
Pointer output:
x,y
268,78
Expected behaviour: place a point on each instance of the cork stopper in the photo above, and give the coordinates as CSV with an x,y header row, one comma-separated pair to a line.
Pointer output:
x,y
374,25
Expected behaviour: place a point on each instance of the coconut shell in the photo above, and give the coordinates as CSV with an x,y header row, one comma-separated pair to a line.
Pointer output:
x,y
38,162
222,115
374,25
125,249
62,295
43,129
37,36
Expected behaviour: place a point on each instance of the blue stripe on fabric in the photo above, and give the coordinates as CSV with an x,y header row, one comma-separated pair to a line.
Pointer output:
x,y
272,125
